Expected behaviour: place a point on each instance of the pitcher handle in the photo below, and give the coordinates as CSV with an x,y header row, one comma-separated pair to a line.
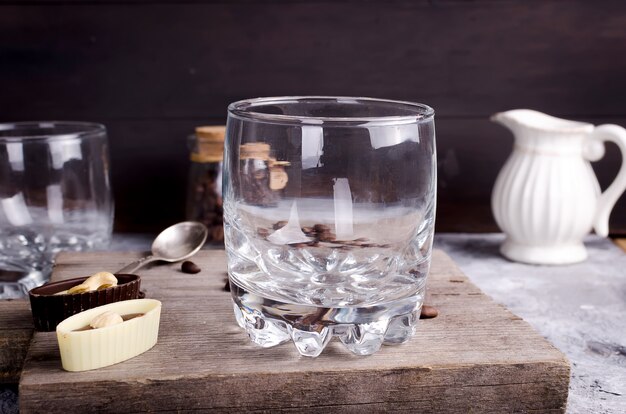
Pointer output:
x,y
609,197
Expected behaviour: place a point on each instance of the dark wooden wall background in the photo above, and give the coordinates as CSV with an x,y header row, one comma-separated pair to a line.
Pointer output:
x,y
152,70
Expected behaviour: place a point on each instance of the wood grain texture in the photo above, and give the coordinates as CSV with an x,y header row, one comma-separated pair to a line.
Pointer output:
x,y
151,70
16,330
475,356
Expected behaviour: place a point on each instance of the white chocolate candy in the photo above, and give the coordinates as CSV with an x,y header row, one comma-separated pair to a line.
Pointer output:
x,y
83,350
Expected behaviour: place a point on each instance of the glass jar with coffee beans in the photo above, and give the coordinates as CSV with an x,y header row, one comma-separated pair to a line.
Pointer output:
x,y
262,176
204,192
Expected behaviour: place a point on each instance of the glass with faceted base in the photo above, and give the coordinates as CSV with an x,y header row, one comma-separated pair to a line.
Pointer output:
x,y
54,196
329,209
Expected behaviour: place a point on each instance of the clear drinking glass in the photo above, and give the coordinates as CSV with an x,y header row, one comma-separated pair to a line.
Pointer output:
x,y
329,209
54,195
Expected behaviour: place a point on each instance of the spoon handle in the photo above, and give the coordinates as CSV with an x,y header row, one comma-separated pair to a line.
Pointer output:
x,y
137,264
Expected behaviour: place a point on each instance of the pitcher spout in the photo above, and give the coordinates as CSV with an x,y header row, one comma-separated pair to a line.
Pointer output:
x,y
528,119
509,119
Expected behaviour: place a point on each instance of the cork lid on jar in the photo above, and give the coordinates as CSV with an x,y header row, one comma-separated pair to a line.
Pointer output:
x,y
255,151
209,144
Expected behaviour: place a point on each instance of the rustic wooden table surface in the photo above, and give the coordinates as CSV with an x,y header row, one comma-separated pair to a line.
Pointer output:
x,y
579,308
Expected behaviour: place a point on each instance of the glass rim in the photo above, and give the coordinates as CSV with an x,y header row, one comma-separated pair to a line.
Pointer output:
x,y
242,109
85,130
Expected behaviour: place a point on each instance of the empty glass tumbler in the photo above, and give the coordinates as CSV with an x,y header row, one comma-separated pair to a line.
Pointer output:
x,y
54,196
329,209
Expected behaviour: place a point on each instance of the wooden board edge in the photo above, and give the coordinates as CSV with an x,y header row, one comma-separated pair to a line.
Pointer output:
x,y
527,387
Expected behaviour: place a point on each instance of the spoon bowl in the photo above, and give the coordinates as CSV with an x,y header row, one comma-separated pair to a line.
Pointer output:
x,y
180,241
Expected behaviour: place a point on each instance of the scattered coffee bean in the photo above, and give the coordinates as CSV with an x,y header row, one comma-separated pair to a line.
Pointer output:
x,y
326,237
429,312
280,224
190,267
321,233
321,228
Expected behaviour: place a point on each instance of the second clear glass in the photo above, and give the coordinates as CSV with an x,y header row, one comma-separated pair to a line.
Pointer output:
x,y
55,195
329,208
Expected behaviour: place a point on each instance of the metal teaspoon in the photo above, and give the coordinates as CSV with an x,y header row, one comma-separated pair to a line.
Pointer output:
x,y
175,243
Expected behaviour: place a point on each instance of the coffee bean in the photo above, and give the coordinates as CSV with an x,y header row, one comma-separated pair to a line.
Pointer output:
x,y
321,228
429,312
262,232
190,267
323,233
326,237
349,243
217,233
227,286
280,224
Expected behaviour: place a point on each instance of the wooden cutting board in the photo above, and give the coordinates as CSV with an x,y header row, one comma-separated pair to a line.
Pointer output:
x,y
16,330
474,357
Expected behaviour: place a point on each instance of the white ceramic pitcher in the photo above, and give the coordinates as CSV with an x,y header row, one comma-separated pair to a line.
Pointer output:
x,y
547,197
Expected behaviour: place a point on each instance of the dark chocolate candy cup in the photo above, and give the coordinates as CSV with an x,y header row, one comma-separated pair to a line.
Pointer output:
x,y
50,309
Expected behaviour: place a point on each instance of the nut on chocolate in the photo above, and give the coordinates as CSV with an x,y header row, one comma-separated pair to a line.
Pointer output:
x,y
98,281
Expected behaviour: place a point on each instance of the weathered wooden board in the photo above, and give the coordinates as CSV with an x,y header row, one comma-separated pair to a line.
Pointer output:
x,y
476,356
16,330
